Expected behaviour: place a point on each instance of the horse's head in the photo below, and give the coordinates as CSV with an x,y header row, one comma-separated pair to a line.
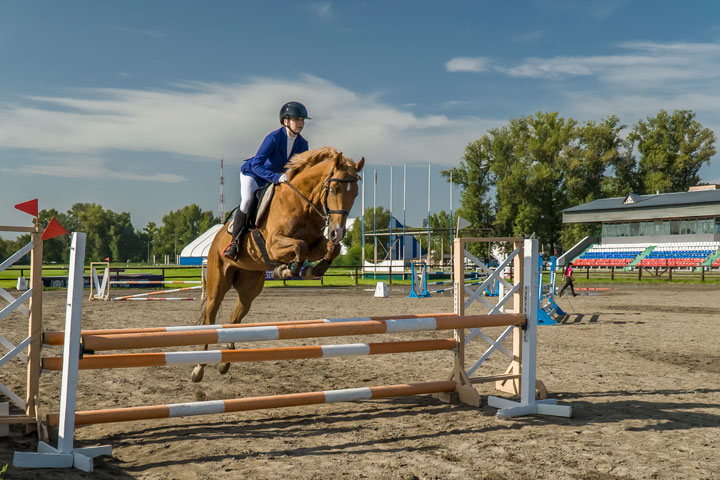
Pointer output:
x,y
340,189
330,180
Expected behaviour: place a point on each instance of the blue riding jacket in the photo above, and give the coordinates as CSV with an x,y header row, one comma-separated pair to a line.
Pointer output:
x,y
269,162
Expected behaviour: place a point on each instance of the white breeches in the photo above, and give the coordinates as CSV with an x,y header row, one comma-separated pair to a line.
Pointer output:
x,y
248,186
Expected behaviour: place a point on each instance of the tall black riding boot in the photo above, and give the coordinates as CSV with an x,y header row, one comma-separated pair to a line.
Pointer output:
x,y
238,229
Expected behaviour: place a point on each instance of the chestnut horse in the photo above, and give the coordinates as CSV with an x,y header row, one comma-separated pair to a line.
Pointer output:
x,y
320,191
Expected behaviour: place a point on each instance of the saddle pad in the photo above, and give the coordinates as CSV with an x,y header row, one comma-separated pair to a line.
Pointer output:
x,y
264,203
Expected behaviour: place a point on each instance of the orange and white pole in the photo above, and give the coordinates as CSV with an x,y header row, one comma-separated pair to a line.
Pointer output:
x,y
157,359
285,332
91,417
56,338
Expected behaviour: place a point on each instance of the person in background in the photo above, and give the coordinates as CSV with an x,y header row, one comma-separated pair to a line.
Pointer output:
x,y
268,165
568,281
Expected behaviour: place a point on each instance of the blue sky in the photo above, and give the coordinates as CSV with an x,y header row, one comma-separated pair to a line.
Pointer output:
x,y
131,104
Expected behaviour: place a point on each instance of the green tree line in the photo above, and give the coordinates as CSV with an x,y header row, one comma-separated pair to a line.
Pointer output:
x,y
112,235
517,179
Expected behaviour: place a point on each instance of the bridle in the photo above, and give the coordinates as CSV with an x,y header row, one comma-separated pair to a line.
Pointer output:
x,y
326,188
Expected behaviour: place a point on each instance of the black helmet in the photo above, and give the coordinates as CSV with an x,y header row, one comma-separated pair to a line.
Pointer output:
x,y
293,109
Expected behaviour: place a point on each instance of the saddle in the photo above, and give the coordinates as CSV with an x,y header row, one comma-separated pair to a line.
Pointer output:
x,y
259,206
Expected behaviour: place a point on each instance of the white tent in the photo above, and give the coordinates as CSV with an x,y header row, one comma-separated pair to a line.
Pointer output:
x,y
197,250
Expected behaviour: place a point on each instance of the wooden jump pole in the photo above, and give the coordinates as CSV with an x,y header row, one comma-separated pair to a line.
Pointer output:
x,y
157,359
154,299
283,332
56,338
157,292
90,417
152,282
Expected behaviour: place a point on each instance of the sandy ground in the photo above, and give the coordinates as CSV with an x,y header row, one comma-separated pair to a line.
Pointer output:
x,y
639,365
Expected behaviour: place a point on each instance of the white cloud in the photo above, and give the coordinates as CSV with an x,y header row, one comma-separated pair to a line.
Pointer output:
x,y
322,10
88,167
645,63
204,121
467,64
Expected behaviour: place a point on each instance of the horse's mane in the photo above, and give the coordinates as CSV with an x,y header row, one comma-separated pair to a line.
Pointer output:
x,y
302,161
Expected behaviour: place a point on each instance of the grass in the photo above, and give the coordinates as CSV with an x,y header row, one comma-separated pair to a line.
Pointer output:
x,y
337,277
345,277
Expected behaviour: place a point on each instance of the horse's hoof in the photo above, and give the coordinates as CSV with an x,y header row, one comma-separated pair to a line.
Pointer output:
x,y
307,273
223,368
197,374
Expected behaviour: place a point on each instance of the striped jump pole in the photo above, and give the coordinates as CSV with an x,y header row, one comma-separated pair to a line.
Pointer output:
x,y
283,332
154,299
135,360
152,282
158,292
91,417
56,338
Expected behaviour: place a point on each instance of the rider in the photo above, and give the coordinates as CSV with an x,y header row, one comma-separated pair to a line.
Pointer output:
x,y
268,165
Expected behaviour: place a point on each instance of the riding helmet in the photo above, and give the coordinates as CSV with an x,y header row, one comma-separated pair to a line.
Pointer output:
x,y
293,109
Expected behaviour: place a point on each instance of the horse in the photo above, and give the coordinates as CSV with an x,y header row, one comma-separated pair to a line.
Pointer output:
x,y
319,193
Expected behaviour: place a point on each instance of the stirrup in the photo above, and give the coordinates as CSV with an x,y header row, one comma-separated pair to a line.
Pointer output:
x,y
231,251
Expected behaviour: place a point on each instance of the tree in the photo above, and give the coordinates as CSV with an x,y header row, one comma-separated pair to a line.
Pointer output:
x,y
181,227
520,161
56,249
672,150
519,178
145,237
598,163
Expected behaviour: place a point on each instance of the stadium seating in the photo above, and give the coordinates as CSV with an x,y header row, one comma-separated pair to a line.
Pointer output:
x,y
610,255
689,254
684,254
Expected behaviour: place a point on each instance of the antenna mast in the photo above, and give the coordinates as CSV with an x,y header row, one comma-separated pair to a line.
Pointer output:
x,y
222,194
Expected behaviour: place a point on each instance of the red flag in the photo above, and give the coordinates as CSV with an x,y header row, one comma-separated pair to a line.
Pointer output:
x,y
107,259
30,207
53,230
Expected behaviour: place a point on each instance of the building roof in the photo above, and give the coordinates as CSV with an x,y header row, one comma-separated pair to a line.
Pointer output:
x,y
634,207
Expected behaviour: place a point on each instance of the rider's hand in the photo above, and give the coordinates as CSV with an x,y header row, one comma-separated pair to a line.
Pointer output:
x,y
282,179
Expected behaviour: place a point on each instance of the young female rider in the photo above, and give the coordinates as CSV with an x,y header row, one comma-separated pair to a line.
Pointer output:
x,y
268,164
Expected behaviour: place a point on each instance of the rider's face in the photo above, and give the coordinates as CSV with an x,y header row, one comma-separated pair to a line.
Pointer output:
x,y
295,124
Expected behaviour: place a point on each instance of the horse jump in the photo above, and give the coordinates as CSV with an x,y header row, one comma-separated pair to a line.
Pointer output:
x,y
515,379
100,289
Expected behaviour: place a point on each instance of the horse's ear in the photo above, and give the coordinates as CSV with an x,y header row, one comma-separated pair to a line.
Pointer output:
x,y
359,165
338,159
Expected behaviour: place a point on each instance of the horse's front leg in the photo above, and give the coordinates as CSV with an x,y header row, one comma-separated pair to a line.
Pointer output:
x,y
325,250
289,251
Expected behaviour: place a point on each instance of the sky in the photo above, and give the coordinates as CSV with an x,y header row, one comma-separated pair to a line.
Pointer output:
x,y
131,105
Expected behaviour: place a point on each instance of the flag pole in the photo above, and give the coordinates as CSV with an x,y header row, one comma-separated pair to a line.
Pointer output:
x,y
375,223
404,244
428,217
362,226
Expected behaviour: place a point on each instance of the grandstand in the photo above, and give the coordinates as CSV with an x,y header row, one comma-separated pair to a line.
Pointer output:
x,y
662,230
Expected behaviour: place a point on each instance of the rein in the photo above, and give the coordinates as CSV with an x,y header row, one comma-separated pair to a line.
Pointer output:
x,y
325,214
